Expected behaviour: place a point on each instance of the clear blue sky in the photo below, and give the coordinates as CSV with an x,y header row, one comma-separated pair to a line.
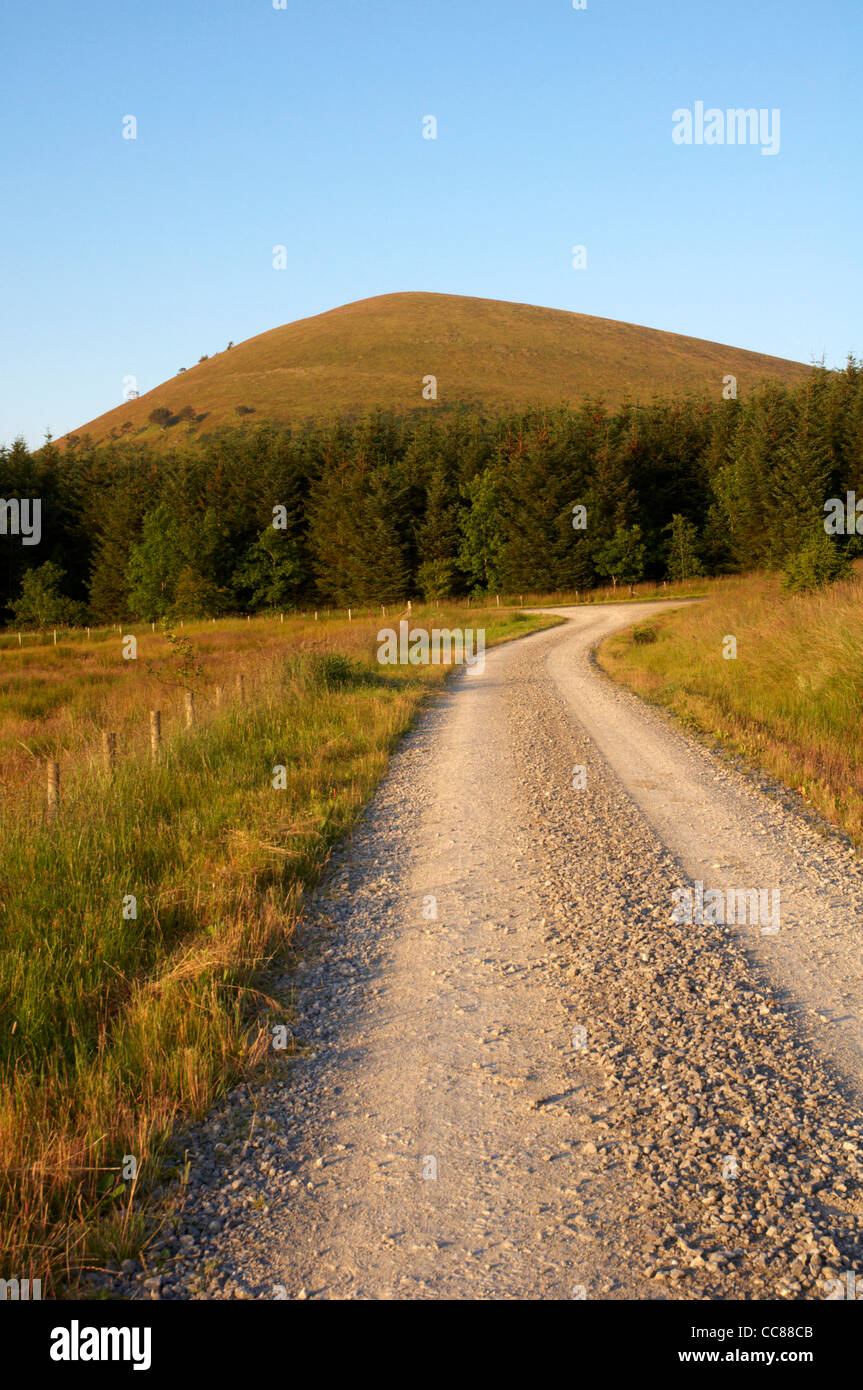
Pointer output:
x,y
303,127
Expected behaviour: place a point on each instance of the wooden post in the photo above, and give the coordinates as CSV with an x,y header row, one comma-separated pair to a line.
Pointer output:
x,y
109,749
190,708
152,627
241,689
55,637
53,787
282,617
349,616
218,696
20,641
498,600
316,617
383,611
88,634
155,732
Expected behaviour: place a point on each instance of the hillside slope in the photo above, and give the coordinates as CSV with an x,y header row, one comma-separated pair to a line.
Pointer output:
x,y
485,353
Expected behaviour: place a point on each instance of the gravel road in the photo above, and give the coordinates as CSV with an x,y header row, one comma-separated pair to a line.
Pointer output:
x,y
520,1077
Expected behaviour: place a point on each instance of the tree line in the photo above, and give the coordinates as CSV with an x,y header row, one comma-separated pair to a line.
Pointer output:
x,y
381,509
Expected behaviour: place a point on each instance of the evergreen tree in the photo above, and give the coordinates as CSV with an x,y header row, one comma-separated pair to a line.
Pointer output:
x,y
270,574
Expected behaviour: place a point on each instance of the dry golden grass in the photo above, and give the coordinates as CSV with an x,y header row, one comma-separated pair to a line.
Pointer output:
x,y
485,353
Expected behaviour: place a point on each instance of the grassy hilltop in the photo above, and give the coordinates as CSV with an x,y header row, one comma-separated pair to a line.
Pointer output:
x,y
487,354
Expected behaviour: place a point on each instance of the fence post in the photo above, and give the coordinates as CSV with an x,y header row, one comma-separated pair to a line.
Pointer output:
x,y
218,695
109,749
190,708
349,616
55,637
241,689
316,617
155,732
52,789
20,641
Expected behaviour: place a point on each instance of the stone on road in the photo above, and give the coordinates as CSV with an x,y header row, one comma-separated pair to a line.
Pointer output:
x,y
523,1079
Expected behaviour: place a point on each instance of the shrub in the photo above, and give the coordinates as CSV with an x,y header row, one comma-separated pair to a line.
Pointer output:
x,y
819,562
436,580
335,671
42,602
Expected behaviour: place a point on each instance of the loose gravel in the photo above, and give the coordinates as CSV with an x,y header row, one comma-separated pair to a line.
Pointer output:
x,y
518,1078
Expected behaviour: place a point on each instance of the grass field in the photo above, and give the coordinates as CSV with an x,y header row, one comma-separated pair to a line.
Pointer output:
x,y
114,1024
485,353
641,593
792,700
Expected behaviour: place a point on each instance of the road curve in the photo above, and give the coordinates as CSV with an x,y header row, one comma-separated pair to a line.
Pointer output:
x,y
520,1077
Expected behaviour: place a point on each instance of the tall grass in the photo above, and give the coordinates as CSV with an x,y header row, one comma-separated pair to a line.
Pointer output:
x,y
642,592
111,1025
792,700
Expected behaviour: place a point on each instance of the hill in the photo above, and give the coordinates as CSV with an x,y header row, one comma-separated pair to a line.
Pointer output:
x,y
486,354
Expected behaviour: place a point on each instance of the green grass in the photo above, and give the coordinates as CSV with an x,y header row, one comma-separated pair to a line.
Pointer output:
x,y
111,1028
791,702
488,354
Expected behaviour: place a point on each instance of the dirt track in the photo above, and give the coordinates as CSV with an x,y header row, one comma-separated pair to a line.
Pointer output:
x,y
550,1089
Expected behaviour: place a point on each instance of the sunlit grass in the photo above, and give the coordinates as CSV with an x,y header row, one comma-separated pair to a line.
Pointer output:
x,y
792,700
111,1025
